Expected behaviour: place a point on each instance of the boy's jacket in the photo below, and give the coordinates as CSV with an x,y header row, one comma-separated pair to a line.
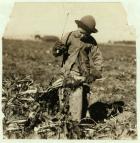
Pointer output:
x,y
81,54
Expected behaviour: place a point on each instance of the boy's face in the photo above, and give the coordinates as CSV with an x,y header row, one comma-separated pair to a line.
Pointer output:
x,y
83,32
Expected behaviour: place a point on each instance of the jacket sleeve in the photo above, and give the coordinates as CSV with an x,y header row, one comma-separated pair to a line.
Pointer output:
x,y
96,59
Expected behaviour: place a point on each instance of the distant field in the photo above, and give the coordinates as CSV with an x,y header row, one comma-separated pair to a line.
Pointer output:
x,y
22,58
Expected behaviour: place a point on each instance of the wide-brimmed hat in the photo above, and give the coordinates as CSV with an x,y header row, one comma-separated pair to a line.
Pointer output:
x,y
87,23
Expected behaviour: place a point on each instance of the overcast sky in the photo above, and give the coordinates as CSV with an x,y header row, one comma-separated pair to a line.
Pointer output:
x,y
28,19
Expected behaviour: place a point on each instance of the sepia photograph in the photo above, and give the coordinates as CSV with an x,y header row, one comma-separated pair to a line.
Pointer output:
x,y
69,72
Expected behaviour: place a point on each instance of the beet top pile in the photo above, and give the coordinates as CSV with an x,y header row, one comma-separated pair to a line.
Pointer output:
x,y
32,112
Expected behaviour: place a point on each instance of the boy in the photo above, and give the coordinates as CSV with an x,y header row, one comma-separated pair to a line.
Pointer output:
x,y
81,65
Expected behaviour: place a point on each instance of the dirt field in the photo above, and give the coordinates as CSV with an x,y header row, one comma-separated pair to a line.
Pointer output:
x,y
34,60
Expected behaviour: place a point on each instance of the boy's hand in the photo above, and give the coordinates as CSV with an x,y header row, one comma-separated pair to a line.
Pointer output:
x,y
96,73
58,49
93,76
90,78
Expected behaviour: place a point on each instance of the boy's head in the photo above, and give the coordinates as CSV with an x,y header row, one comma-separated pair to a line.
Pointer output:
x,y
87,25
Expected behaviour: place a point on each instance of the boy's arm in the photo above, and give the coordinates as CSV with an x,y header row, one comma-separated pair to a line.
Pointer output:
x,y
96,62
97,59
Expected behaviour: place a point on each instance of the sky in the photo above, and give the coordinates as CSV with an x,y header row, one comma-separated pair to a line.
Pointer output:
x,y
28,19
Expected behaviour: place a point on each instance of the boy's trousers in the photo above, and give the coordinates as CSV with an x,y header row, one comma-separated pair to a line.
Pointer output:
x,y
77,100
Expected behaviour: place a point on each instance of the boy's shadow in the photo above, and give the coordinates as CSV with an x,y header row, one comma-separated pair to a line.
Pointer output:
x,y
100,111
